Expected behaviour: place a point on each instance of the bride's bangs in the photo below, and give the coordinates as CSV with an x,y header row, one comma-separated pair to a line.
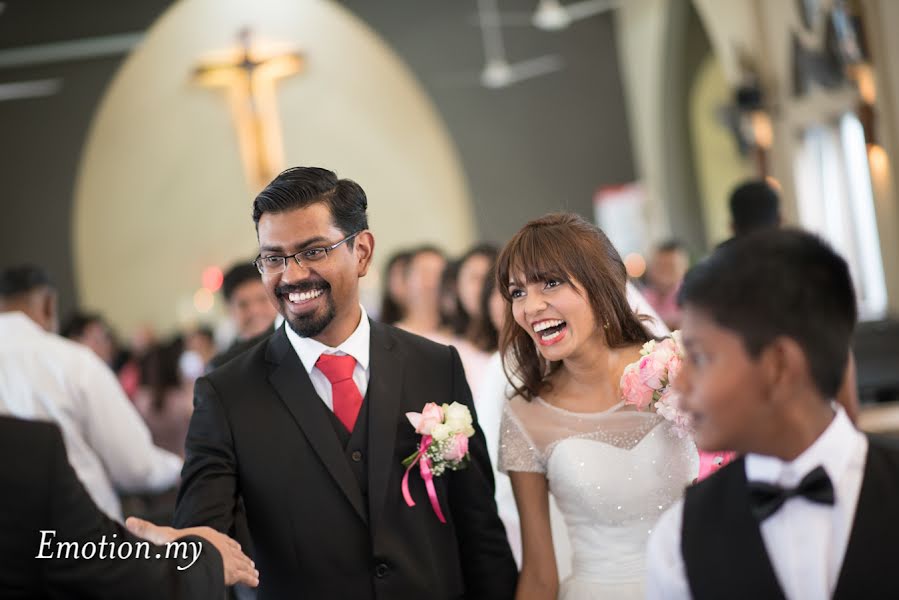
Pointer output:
x,y
535,254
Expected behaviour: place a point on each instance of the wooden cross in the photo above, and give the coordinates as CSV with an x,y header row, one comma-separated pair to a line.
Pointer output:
x,y
249,84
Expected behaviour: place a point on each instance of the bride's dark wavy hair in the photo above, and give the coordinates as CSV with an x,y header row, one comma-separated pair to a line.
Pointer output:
x,y
567,248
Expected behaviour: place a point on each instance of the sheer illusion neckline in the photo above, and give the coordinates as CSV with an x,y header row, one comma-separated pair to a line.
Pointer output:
x,y
581,415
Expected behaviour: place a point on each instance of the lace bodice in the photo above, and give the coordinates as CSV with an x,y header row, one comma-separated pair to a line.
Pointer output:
x,y
613,474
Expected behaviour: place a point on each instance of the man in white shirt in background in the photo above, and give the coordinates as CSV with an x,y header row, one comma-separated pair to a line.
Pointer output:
x,y
44,376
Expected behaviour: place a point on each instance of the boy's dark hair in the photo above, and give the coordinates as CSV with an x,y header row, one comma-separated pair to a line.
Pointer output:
x,y
754,205
21,279
300,187
780,282
238,275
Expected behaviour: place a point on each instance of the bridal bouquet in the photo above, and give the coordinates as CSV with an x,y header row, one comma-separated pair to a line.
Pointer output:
x,y
444,445
647,383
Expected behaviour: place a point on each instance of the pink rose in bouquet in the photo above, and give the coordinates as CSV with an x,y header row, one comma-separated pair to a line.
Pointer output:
x,y
634,389
647,382
652,371
456,447
674,366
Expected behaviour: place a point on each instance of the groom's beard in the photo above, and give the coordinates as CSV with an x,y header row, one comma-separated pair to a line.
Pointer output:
x,y
311,324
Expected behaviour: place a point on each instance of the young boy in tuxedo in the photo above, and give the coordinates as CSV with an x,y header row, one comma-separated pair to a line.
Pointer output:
x,y
807,511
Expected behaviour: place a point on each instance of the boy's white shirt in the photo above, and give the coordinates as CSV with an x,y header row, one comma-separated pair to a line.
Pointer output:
x,y
806,542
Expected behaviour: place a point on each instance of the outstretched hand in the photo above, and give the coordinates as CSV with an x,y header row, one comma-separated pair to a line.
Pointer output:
x,y
237,566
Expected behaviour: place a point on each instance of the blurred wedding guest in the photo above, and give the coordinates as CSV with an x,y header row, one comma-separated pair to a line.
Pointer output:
x,y
393,301
667,266
44,376
474,267
142,340
200,343
432,309
250,310
493,392
165,398
91,330
423,277
754,205
456,327
452,318
43,504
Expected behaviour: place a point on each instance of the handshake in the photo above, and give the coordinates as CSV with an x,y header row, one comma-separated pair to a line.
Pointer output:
x,y
237,566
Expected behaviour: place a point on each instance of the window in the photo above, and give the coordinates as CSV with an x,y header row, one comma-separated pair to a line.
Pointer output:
x,y
835,199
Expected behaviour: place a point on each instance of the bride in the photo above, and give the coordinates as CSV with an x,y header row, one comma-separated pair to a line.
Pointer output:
x,y
613,470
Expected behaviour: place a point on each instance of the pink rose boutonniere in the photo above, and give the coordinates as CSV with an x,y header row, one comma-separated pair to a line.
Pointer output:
x,y
444,445
647,383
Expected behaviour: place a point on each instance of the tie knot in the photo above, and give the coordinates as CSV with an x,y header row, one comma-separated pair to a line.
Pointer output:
x,y
336,368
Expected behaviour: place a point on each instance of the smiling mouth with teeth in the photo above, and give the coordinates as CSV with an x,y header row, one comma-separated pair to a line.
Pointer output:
x,y
550,329
297,297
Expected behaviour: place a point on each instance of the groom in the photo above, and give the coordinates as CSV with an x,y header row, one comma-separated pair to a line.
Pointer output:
x,y
309,427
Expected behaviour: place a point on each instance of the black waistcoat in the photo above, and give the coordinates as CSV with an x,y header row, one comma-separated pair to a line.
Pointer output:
x,y
725,557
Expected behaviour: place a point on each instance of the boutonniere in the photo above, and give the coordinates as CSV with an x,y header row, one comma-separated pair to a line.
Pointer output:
x,y
647,383
444,445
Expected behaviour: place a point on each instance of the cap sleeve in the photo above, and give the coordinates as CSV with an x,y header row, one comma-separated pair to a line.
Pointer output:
x,y
517,452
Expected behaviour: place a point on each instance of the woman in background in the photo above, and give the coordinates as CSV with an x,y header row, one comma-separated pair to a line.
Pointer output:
x,y
394,298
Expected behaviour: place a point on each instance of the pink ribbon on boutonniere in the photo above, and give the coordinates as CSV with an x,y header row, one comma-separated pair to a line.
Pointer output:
x,y
424,467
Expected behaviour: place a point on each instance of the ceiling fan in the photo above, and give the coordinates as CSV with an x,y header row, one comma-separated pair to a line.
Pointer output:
x,y
498,72
553,16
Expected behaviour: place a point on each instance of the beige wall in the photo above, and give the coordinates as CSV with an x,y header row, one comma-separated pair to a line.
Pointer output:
x,y
161,190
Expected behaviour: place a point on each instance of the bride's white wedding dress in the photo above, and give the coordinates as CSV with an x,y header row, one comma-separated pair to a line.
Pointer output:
x,y
612,474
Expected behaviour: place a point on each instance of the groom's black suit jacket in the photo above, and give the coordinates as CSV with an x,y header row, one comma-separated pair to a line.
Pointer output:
x,y
260,431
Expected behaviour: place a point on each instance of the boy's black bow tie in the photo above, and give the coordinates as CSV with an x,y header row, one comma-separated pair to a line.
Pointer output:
x,y
765,499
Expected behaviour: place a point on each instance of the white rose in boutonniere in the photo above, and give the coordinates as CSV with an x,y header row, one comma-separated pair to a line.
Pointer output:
x,y
441,431
458,418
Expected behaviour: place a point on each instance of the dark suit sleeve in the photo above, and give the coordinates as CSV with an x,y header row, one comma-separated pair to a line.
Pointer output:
x,y
74,517
209,479
487,563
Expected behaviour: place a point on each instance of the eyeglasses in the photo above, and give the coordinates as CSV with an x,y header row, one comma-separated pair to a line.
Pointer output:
x,y
271,265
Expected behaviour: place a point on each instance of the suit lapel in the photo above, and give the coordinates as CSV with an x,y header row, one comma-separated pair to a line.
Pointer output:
x,y
385,391
293,385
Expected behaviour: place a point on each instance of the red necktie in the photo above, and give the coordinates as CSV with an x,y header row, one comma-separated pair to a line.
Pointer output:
x,y
345,395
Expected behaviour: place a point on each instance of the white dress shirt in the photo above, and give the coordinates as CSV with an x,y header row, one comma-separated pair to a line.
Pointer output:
x,y
46,377
357,345
805,541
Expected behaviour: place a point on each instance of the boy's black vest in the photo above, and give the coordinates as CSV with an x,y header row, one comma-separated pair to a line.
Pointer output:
x,y
725,557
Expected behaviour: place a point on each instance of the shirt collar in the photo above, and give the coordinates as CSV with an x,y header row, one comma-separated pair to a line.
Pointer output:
x,y
357,345
832,450
16,323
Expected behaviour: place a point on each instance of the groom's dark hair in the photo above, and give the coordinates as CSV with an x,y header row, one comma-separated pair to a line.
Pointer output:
x,y
780,283
299,187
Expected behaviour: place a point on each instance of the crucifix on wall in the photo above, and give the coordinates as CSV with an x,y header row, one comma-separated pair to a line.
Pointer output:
x,y
249,83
